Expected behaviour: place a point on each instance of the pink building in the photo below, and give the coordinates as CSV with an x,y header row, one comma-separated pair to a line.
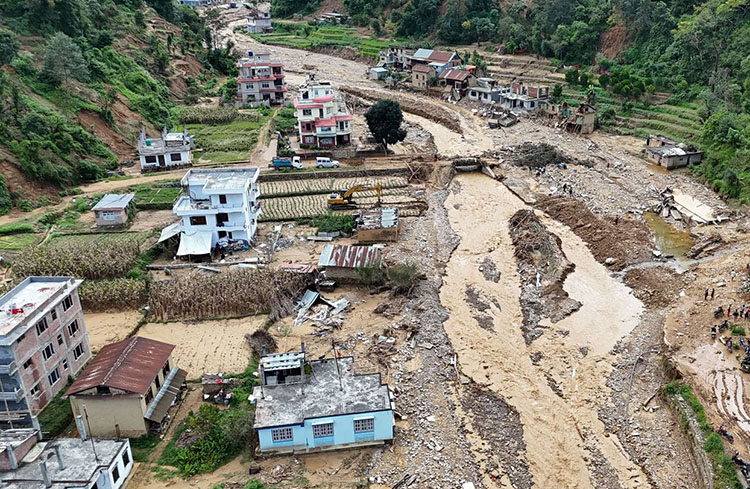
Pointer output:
x,y
323,119
261,81
43,341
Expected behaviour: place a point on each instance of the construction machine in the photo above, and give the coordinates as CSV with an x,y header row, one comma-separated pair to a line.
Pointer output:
x,y
344,199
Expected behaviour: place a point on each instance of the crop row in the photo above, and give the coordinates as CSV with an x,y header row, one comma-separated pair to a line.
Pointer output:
x,y
290,208
288,188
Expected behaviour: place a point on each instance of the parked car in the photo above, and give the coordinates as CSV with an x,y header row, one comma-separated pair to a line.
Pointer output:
x,y
323,162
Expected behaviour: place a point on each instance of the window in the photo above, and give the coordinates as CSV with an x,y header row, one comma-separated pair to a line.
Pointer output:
x,y
28,363
198,220
306,111
150,159
125,458
281,434
364,425
60,340
107,215
116,474
65,364
323,430
265,85
78,351
54,377
222,199
156,381
34,391
166,368
41,326
54,313
149,396
48,352
175,157
320,111
67,303
73,328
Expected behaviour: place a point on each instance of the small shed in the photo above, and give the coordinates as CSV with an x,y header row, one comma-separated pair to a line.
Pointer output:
x,y
114,209
378,73
377,225
342,262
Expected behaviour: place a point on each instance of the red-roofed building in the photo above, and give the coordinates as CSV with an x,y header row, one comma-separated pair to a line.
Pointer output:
x,y
323,119
127,388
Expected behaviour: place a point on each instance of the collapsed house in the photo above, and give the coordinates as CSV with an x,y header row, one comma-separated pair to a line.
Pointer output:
x,y
458,80
395,58
319,405
486,90
128,388
218,207
580,120
172,150
377,225
343,263
63,463
670,154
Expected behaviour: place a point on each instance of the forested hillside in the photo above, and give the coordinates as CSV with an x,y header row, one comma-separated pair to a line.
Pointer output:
x,y
699,51
78,78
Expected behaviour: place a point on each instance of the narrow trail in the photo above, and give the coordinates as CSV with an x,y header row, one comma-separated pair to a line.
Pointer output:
x,y
557,396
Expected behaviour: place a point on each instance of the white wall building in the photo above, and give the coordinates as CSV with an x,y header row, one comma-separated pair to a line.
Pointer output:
x,y
217,205
260,81
170,151
323,119
259,22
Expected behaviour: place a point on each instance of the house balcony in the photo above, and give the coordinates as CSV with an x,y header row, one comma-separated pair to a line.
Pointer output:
x,y
15,395
8,368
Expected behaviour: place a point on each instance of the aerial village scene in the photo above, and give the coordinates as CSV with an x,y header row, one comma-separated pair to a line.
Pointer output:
x,y
385,245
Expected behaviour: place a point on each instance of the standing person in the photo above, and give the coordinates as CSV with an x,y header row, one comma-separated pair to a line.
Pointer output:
x,y
735,314
729,310
705,295
733,274
712,293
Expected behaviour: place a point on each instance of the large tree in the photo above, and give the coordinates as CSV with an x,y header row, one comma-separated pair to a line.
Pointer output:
x,y
384,121
63,60
8,46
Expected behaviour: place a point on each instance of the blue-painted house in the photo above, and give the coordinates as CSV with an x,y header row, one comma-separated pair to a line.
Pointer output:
x,y
319,405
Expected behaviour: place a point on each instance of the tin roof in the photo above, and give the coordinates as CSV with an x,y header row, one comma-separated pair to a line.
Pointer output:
x,y
282,361
455,75
114,201
378,218
349,256
422,68
129,365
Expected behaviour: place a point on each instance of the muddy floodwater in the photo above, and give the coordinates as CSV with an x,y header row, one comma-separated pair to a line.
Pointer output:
x,y
668,239
557,396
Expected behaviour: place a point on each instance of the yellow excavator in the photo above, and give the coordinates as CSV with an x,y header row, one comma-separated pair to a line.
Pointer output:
x,y
344,200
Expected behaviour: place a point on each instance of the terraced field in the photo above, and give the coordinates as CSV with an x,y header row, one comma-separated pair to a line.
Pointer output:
x,y
289,188
303,36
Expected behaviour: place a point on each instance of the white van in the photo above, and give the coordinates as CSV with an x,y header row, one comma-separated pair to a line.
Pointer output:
x,y
324,162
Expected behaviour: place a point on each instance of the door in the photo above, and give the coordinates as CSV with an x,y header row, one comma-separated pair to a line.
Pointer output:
x,y
162,162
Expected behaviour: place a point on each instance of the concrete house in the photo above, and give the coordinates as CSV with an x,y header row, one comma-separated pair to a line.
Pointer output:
x,y
114,209
378,73
259,22
43,341
127,388
323,119
64,463
519,97
421,76
670,154
329,408
395,57
582,120
342,262
172,150
486,91
218,206
260,81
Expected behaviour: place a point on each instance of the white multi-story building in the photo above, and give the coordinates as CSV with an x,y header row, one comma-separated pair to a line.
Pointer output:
x,y
259,22
261,80
323,119
218,206
170,151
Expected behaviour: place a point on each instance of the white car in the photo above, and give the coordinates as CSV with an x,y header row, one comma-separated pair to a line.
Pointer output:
x,y
323,162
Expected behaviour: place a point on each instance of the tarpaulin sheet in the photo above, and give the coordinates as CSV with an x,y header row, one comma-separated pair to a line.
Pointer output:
x,y
195,244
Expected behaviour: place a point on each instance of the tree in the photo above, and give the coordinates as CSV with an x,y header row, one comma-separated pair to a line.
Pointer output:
x,y
557,90
376,27
384,121
571,76
604,80
8,46
63,60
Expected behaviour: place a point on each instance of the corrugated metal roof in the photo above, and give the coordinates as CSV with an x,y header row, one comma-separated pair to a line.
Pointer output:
x,y
455,75
378,218
441,56
166,396
114,201
420,68
349,256
129,365
282,361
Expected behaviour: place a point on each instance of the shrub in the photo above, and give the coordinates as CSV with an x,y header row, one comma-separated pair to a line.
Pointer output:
x,y
16,228
403,276
330,223
370,276
738,331
206,115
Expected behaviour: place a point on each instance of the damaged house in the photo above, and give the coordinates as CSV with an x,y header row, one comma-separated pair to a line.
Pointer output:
x,y
172,150
343,263
523,98
580,120
128,388
670,154
309,406
440,60
458,81
486,90
395,57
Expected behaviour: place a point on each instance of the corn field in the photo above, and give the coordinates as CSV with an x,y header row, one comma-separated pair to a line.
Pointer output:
x,y
97,258
227,294
300,207
288,188
113,295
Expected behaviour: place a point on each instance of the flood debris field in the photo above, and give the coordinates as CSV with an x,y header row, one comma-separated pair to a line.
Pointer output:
x,y
534,350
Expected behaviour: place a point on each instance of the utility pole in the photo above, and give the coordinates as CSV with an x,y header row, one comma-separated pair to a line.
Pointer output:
x,y
91,436
336,359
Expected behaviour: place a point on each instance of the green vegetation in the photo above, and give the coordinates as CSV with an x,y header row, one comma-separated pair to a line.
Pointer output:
x,y
18,241
143,446
155,195
384,120
16,228
330,223
725,471
302,35
57,416
230,141
403,276
285,121
738,330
